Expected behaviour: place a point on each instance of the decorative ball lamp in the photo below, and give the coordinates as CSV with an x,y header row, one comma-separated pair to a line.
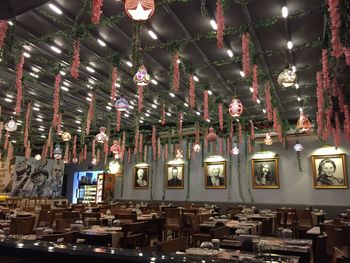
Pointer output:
x,y
211,137
121,104
115,149
235,149
57,153
141,77
102,136
236,108
11,125
196,147
37,157
287,77
268,140
303,123
139,10
94,161
114,167
66,137
298,147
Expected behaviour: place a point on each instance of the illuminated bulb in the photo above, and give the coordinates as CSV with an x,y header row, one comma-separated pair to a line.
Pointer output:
x,y
37,157
152,34
56,49
195,78
154,81
88,98
289,44
90,69
213,24
154,106
235,149
55,9
229,53
284,11
147,114
251,89
186,104
210,92
172,94
264,111
8,100
258,101
64,88
101,42
129,64
62,73
198,113
294,68
242,73
299,99
300,109
131,107
168,113
296,85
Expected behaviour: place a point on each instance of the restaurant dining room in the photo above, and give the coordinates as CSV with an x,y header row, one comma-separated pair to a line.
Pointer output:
x,y
202,131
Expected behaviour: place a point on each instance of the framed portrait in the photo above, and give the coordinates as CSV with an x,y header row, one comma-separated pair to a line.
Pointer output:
x,y
174,176
329,171
215,175
265,173
141,175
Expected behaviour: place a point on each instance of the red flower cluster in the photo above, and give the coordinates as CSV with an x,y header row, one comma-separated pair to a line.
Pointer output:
x,y
3,29
96,10
56,100
205,105
192,94
176,73
114,81
221,117
220,23
268,102
245,55
255,83
76,59
19,76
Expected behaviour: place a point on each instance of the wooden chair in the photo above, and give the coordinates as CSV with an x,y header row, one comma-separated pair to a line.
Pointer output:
x,y
154,208
155,229
126,218
173,217
217,233
71,215
337,236
93,218
67,237
191,224
46,218
46,207
104,240
173,245
22,225
234,210
304,222
63,224
133,235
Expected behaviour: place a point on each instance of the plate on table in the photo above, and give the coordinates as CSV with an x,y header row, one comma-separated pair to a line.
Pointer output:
x,y
196,251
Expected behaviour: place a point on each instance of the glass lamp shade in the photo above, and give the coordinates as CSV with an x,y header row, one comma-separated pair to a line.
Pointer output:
x,y
121,104
298,147
287,77
235,149
211,137
37,157
141,77
57,153
236,108
11,125
196,147
114,167
66,136
102,136
268,140
139,10
303,123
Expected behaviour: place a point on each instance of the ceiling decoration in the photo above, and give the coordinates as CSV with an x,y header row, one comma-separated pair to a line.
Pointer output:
x,y
195,64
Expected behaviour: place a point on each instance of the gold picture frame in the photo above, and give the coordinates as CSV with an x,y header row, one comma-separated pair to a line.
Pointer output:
x,y
210,169
329,171
141,179
172,180
265,173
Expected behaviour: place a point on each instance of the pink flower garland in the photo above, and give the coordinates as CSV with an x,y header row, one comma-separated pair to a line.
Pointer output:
x,y
90,114
19,76
221,117
192,95
59,121
113,86
76,59
249,144
176,73
85,152
346,52
1,128
346,122
96,11
337,131
325,69
7,139
119,114
3,29
180,123
166,152
56,100
220,24
154,142
320,103
255,83
205,105
26,126
129,155
159,150
140,143
333,6
269,111
163,114
27,151
245,54
66,153
340,96
140,98
136,141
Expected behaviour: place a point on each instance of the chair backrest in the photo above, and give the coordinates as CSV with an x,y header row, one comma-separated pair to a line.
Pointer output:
x,y
173,216
71,215
120,211
62,224
46,206
67,237
266,227
304,217
46,218
234,210
94,215
133,235
126,218
173,245
22,225
337,235
104,240
219,232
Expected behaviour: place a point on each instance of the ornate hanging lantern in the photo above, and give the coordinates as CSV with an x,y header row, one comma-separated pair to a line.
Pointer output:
x,y
196,147
287,77
11,125
121,104
303,123
57,153
268,140
94,161
139,10
102,136
141,77
211,137
298,147
116,149
179,154
66,136
236,108
235,149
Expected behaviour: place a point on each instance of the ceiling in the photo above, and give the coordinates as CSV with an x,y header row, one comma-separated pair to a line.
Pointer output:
x,y
180,21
